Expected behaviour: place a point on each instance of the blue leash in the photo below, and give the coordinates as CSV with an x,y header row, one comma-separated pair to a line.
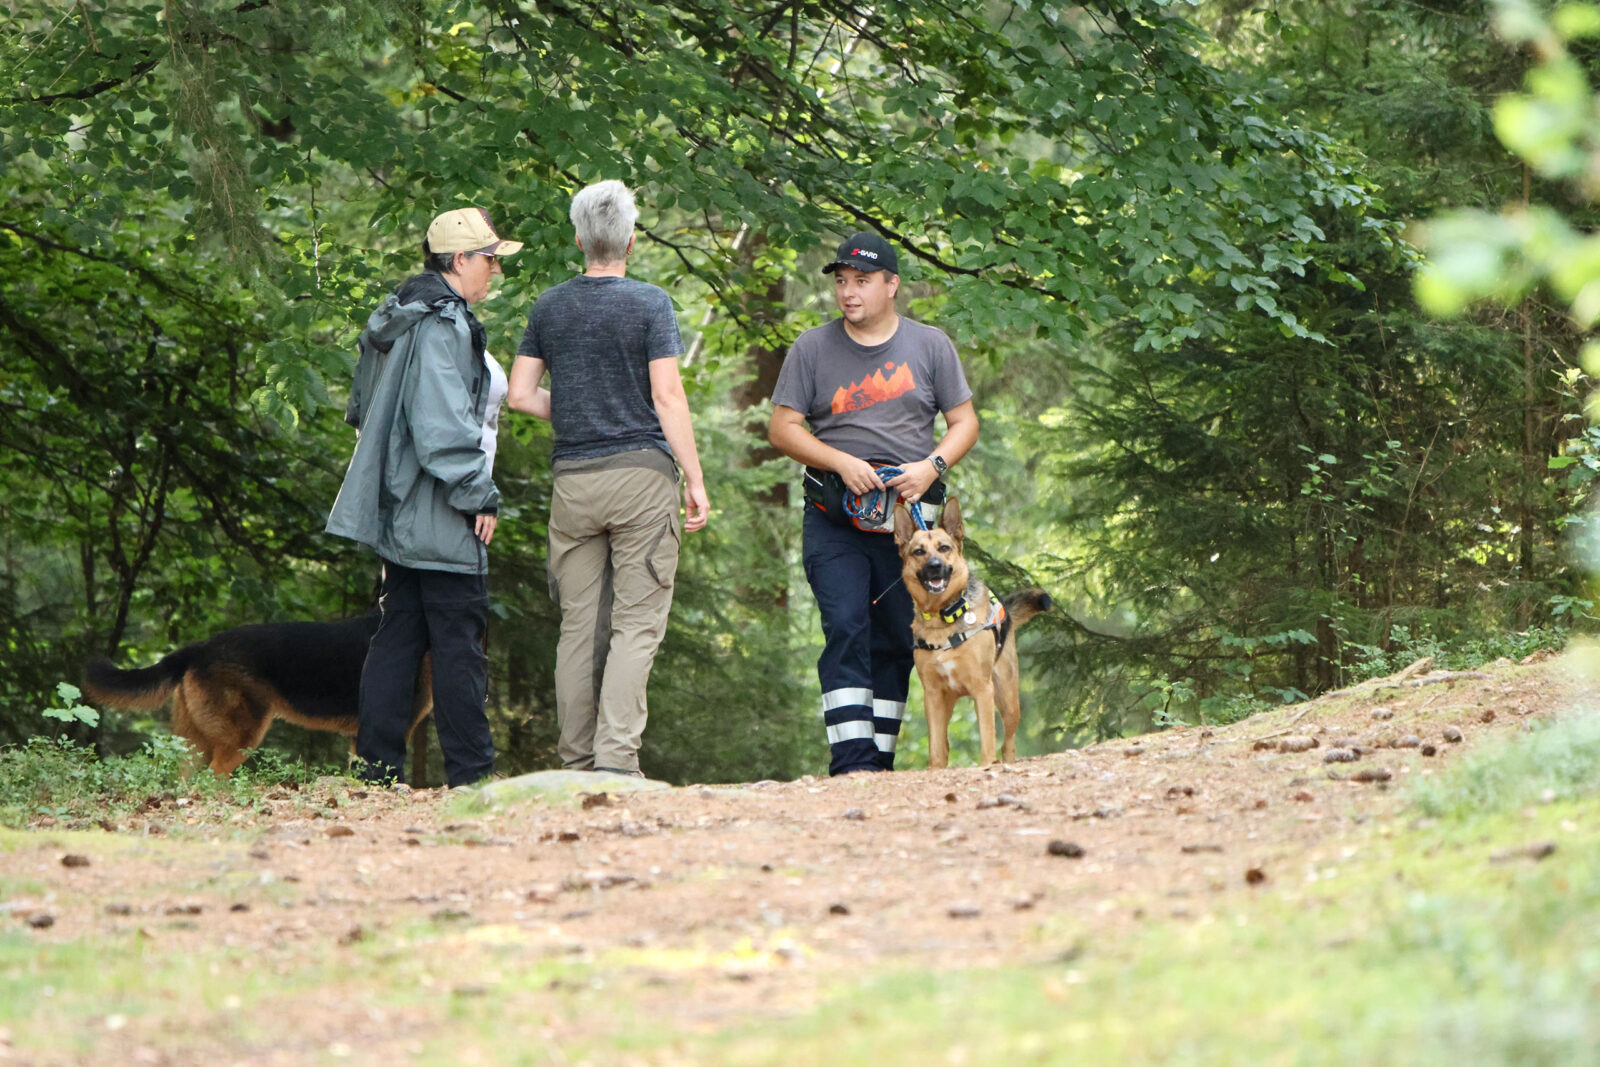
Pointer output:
x,y
869,507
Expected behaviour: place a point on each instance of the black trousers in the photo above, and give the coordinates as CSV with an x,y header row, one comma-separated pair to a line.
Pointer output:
x,y
866,662
445,613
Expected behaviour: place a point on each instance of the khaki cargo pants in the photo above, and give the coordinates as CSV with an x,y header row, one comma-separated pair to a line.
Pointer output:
x,y
614,537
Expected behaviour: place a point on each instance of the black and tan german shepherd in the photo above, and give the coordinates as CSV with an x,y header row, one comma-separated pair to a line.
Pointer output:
x,y
226,690
964,635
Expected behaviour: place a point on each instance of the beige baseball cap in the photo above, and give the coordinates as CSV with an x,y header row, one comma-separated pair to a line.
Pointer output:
x,y
468,229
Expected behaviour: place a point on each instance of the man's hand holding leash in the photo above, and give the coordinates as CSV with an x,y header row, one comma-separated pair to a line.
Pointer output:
x,y
914,480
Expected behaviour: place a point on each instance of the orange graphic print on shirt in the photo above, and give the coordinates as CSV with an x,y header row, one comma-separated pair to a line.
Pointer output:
x,y
874,388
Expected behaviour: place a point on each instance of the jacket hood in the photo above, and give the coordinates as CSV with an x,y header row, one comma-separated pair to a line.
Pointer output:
x,y
414,299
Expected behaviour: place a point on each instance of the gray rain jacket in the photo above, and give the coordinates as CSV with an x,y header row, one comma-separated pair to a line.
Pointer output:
x,y
419,478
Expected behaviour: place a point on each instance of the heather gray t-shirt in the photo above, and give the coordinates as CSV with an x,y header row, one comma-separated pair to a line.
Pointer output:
x,y
876,402
597,337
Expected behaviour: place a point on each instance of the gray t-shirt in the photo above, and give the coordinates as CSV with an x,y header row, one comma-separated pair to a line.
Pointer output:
x,y
597,337
876,402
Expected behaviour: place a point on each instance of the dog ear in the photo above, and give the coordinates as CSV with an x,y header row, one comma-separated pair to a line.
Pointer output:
x,y
904,527
950,519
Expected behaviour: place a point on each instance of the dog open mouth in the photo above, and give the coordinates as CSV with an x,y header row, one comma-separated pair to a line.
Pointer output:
x,y
935,581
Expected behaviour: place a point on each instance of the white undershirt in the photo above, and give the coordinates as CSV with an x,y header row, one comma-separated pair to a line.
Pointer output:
x,y
491,411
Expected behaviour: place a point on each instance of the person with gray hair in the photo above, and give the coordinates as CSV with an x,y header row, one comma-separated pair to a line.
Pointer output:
x,y
603,215
622,436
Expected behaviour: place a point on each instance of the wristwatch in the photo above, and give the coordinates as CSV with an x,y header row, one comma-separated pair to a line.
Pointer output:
x,y
939,464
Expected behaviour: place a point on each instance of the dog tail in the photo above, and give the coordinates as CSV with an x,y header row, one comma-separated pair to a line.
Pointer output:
x,y
1026,603
141,689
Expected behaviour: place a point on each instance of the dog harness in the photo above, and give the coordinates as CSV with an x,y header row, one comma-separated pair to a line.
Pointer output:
x,y
958,611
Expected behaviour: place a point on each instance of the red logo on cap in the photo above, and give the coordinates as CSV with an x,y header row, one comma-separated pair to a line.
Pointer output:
x,y
863,252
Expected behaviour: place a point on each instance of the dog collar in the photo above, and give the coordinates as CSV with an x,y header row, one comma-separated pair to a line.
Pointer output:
x,y
951,613
995,622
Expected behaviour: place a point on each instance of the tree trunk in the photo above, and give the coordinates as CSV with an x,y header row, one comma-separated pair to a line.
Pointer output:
x,y
763,308
1532,461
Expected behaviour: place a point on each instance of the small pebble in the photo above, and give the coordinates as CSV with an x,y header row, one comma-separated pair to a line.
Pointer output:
x,y
964,911
42,921
1297,744
1255,876
1429,750
1069,849
1371,774
1409,741
854,814
838,909
1452,734
1383,714
73,860
1339,755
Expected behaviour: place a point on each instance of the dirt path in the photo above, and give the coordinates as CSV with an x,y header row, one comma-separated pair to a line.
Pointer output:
x,y
732,903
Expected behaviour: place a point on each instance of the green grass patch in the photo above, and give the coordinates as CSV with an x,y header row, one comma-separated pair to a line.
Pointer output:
x,y
1557,759
58,779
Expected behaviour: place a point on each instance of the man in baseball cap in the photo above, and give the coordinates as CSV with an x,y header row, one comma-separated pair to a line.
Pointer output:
x,y
855,397
866,252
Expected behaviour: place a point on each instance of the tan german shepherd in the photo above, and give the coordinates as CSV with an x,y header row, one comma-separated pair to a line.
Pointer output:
x,y
964,634
226,690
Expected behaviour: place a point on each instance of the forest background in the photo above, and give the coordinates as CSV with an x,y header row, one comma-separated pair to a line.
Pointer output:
x,y
1175,244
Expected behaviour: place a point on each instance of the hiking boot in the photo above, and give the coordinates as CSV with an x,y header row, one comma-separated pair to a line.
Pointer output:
x,y
619,771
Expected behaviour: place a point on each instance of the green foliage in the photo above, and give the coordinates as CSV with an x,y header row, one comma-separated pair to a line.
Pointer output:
x,y
1558,760
1550,125
64,780
1251,514
71,710
1449,650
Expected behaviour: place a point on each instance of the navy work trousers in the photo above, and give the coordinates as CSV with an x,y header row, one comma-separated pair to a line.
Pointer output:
x,y
446,613
865,666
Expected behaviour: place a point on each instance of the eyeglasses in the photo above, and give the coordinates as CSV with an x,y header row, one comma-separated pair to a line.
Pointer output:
x,y
486,255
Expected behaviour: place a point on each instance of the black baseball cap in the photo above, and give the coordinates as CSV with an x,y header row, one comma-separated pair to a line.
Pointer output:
x,y
864,251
